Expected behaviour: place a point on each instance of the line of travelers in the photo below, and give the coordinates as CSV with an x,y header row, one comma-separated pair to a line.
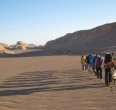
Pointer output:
x,y
97,63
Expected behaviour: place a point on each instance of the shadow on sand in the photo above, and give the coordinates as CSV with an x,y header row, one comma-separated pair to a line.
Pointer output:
x,y
42,81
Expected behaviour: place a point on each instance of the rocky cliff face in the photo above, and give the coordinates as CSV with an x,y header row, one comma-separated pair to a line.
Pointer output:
x,y
100,37
22,46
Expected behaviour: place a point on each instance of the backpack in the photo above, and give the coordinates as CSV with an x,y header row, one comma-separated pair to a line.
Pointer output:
x,y
87,59
110,64
108,58
95,57
99,62
83,59
91,58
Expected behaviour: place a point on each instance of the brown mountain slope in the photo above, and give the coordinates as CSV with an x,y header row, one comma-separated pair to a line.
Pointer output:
x,y
100,37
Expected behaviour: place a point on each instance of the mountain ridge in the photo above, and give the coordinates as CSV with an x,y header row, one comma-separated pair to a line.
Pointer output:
x,y
99,37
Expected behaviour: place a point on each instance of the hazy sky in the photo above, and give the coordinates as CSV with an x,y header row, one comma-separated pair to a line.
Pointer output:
x,y
38,21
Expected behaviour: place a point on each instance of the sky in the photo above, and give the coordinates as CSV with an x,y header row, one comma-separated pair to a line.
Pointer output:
x,y
38,21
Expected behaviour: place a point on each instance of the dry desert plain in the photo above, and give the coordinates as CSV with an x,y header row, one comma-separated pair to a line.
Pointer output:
x,y
51,83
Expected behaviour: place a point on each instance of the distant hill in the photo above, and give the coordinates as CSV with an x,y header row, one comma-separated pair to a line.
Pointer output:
x,y
19,48
3,50
22,46
3,45
102,37
98,39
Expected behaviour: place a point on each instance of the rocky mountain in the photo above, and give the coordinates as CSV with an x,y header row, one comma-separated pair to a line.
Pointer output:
x,y
22,46
101,37
18,48
3,50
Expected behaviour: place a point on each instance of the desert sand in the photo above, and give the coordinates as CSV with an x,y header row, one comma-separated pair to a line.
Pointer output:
x,y
51,83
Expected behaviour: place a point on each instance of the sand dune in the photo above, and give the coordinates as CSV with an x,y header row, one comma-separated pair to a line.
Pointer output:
x,y
3,45
51,83
22,46
3,50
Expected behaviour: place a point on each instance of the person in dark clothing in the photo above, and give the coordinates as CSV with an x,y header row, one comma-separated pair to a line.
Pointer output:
x,y
87,61
99,67
99,72
108,77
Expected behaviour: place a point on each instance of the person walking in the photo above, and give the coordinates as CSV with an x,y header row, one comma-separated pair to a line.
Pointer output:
x,y
87,62
83,62
108,76
94,63
99,67
91,58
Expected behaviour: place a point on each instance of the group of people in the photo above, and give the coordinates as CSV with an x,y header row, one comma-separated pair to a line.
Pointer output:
x,y
96,64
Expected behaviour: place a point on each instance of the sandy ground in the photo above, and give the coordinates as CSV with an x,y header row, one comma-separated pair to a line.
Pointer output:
x,y
51,83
